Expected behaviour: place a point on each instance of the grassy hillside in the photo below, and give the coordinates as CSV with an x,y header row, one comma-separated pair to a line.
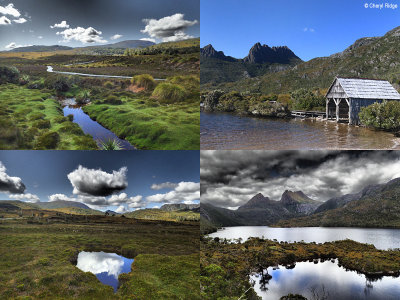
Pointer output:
x,y
378,58
77,211
158,214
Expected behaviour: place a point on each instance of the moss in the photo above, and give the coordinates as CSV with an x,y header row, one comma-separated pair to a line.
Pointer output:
x,y
48,140
42,124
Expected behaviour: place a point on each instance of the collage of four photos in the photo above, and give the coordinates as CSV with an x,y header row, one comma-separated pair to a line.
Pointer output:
x,y
199,149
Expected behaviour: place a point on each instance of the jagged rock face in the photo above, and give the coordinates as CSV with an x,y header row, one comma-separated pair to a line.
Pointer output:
x,y
260,54
209,51
258,201
298,202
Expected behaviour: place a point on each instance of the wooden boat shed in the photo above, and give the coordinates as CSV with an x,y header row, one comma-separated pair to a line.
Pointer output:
x,y
346,96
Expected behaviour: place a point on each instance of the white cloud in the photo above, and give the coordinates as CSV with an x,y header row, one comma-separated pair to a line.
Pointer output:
x,y
84,35
121,209
100,262
165,185
97,183
183,192
60,197
171,28
4,21
306,29
116,37
148,40
10,10
25,197
40,37
63,24
14,45
20,20
10,184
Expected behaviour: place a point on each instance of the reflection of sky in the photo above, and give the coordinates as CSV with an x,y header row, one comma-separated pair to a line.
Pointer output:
x,y
381,238
338,283
106,266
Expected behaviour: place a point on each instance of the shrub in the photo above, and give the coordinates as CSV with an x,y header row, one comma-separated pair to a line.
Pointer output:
x,y
111,144
24,79
70,117
169,92
108,85
9,74
42,124
306,100
60,119
72,128
145,81
49,140
83,97
58,83
37,116
385,115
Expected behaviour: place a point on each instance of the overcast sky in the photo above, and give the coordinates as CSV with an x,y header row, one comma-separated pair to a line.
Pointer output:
x,y
124,180
230,178
92,22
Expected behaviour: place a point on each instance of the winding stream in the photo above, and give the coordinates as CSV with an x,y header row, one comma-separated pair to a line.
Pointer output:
x,y
98,132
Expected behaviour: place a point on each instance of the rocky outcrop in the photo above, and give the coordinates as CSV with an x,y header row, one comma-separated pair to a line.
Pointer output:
x,y
260,54
298,203
210,52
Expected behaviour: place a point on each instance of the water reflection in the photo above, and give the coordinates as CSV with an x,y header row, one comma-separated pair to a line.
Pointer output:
x,y
228,131
324,280
106,266
380,238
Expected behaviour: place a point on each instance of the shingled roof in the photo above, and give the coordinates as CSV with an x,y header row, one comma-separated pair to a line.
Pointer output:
x,y
367,89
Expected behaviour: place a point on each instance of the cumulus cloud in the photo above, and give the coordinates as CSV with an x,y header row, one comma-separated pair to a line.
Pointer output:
x,y
10,10
231,178
60,197
20,20
97,183
84,35
116,36
165,185
63,24
9,184
4,20
121,209
183,192
171,28
100,262
25,197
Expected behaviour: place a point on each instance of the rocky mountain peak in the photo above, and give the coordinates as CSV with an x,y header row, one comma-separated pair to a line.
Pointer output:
x,y
209,51
260,54
258,201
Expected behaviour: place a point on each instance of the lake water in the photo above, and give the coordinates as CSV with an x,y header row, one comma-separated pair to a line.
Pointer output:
x,y
106,266
229,131
98,132
325,280
380,238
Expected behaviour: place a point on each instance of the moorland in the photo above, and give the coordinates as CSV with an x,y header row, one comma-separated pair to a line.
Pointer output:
x,y
152,100
46,243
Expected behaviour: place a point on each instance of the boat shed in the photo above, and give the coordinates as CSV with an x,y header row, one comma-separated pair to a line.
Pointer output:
x,y
346,96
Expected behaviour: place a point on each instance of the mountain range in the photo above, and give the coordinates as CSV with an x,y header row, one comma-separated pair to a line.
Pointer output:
x,y
373,206
216,67
369,57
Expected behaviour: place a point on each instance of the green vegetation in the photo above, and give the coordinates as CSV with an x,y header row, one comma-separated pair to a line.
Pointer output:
x,y
144,81
157,214
225,266
148,124
42,262
111,144
169,120
32,119
304,99
383,116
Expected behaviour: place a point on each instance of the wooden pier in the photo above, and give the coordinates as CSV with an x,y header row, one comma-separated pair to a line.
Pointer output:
x,y
308,114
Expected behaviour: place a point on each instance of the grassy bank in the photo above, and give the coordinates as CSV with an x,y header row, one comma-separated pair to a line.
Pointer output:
x,y
38,260
225,266
32,119
147,124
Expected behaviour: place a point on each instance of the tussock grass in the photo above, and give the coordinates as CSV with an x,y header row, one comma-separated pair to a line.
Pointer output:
x,y
145,81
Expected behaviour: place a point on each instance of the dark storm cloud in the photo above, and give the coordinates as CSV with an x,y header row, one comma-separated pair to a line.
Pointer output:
x,y
230,178
9,184
97,183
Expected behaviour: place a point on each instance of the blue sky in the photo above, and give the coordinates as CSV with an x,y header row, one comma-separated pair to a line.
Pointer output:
x,y
29,21
45,173
311,28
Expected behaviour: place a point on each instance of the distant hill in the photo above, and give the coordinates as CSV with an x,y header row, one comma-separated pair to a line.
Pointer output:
x,y
124,44
216,67
41,48
11,204
180,206
371,57
162,215
298,203
61,204
78,211
375,206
